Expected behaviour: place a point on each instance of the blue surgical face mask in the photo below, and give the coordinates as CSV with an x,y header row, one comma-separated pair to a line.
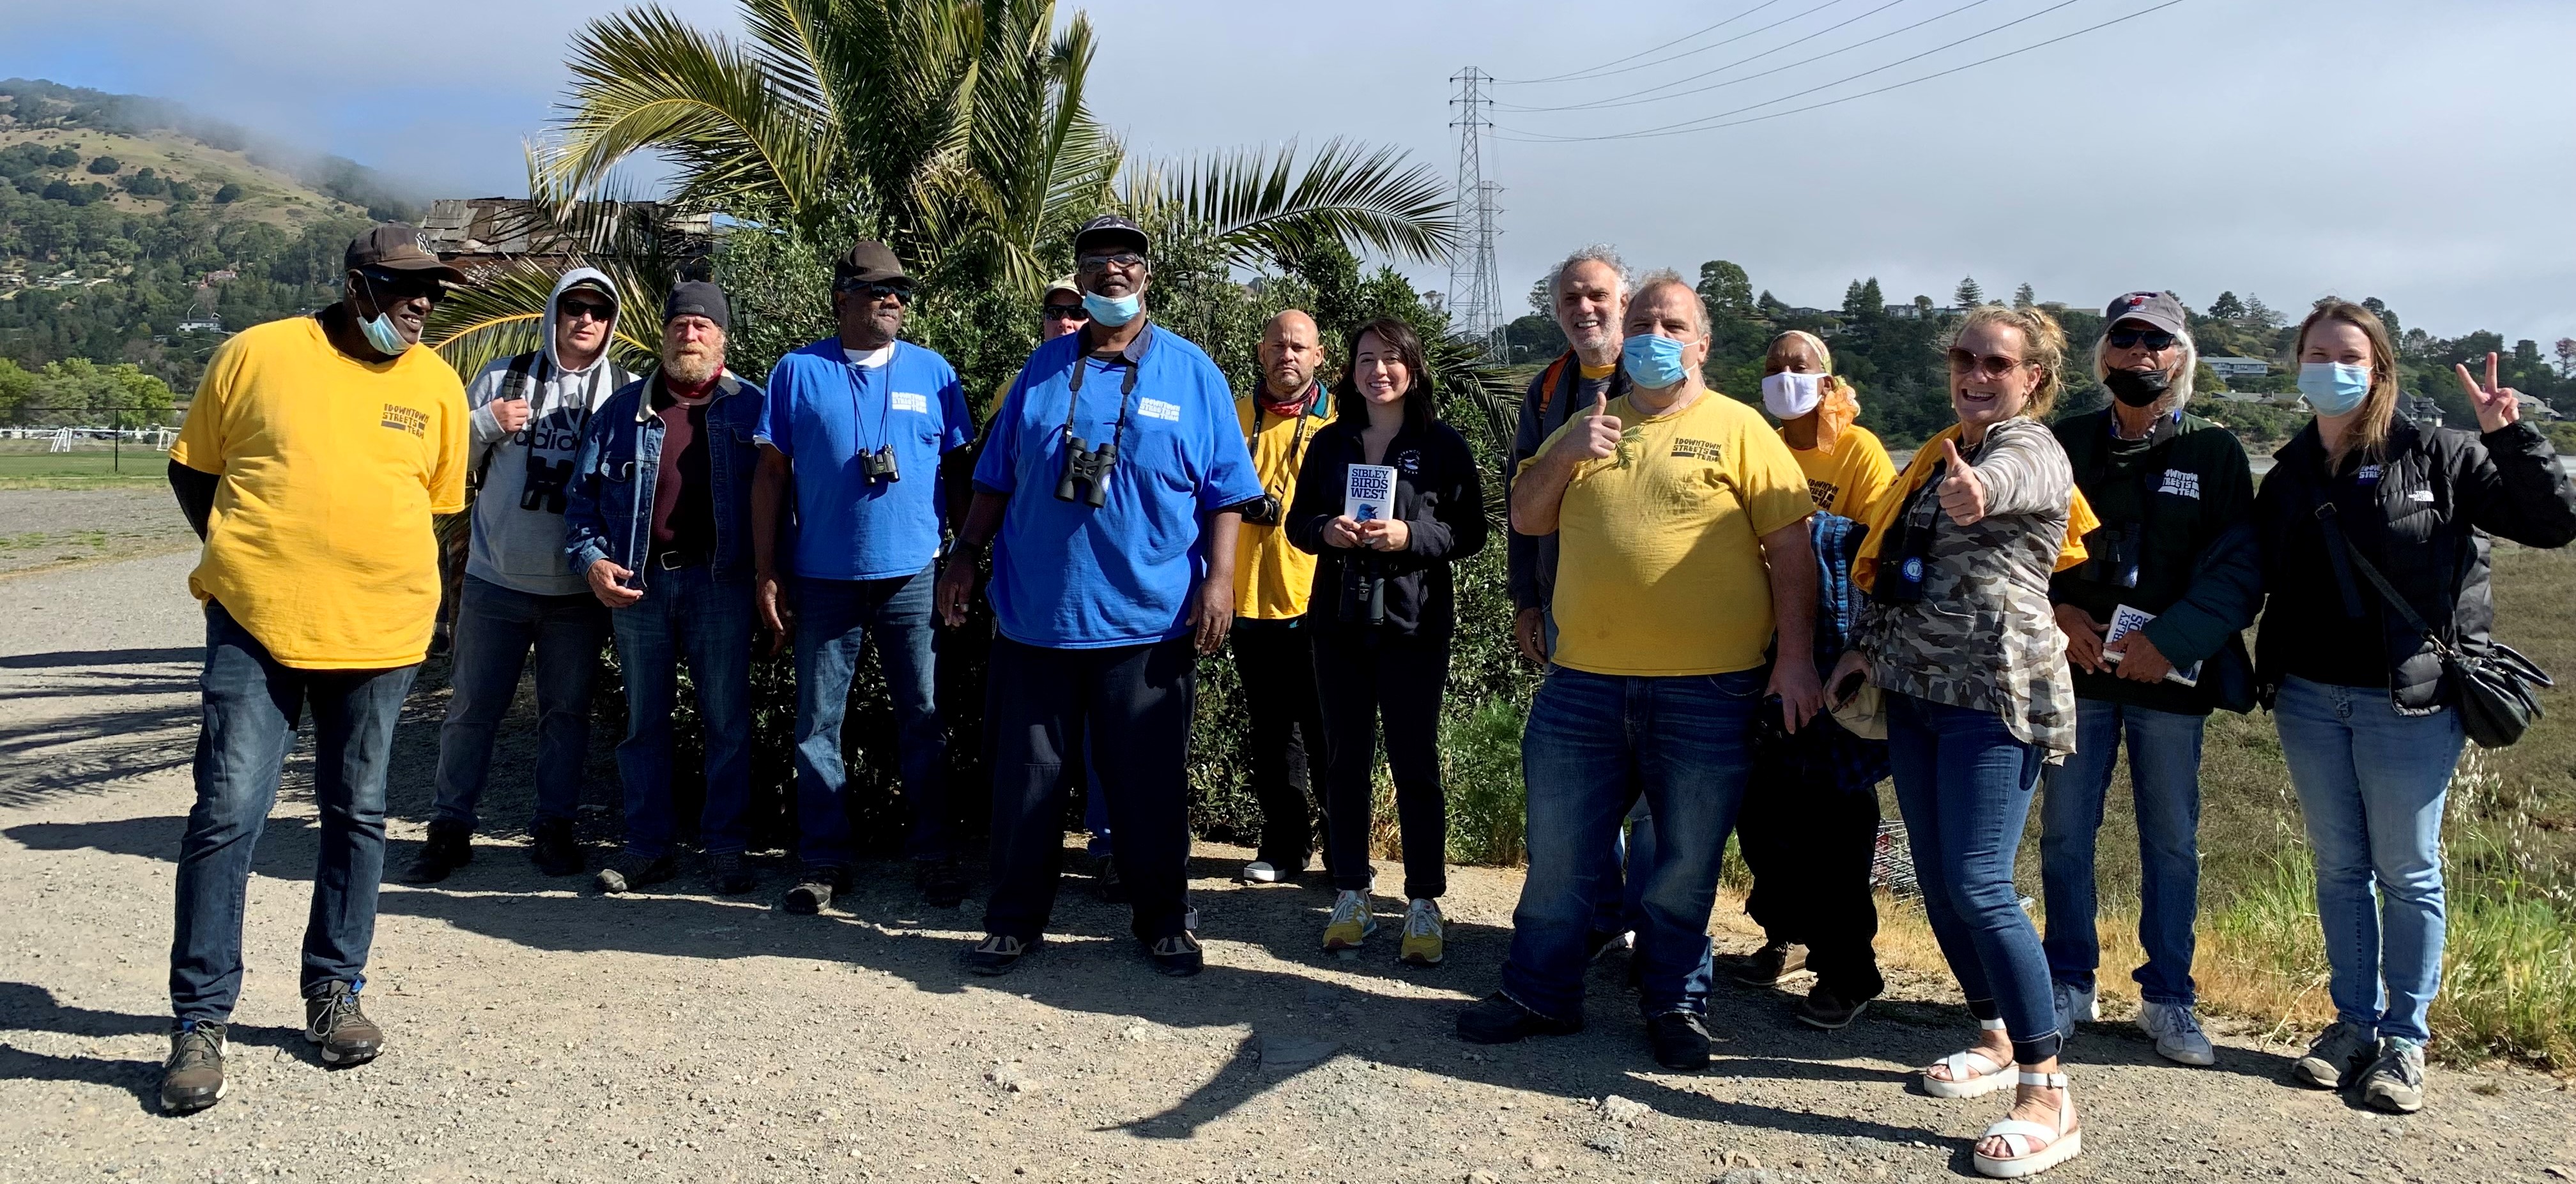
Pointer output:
x,y
1112,311
1653,362
2334,388
379,329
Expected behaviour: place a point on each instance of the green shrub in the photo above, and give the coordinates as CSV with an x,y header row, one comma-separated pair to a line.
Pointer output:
x,y
1487,816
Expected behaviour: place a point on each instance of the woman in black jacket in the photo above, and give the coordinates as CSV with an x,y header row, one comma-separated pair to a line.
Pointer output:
x,y
2369,725
1382,614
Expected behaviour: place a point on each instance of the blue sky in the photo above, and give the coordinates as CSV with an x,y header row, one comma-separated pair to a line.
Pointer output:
x,y
2423,153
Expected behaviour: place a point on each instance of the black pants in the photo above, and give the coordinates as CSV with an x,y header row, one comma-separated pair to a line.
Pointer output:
x,y
1363,675
1808,843
1277,665
1135,702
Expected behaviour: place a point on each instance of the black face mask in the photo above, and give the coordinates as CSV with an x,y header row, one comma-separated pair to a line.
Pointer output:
x,y
2137,388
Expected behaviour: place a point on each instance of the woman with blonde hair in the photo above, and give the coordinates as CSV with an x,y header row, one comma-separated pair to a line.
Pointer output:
x,y
1959,636
2371,528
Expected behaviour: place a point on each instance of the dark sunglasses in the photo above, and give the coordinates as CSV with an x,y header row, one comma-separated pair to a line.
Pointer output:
x,y
1064,312
877,291
2129,338
394,288
573,310
1990,365
1123,261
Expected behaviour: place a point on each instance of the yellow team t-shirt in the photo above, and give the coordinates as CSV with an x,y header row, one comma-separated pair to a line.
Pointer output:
x,y
1659,561
1850,479
320,541
1272,578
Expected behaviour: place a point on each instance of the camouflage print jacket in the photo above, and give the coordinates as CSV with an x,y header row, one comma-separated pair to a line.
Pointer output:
x,y
1983,636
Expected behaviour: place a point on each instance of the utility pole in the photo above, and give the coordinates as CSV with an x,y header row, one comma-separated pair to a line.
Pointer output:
x,y
1475,288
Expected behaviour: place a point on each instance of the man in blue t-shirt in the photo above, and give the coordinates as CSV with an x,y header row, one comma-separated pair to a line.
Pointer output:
x,y
855,430
1110,486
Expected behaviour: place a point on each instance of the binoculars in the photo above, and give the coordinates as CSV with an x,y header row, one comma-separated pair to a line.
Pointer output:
x,y
2115,555
879,465
1086,471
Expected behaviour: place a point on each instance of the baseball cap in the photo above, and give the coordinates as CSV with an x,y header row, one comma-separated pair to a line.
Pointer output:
x,y
698,298
1065,285
867,262
1109,230
396,246
2157,309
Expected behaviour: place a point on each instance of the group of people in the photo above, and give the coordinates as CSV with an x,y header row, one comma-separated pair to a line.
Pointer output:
x,y
1746,627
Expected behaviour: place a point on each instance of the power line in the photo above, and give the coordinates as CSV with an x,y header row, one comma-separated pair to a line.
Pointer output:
x,y
1630,99
1719,120
1475,284
1590,71
1749,33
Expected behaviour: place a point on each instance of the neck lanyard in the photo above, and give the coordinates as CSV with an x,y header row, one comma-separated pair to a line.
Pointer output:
x,y
1073,397
1297,442
885,407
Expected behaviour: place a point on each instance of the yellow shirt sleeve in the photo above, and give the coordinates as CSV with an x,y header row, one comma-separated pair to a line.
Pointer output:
x,y
447,467
1868,474
1767,477
201,444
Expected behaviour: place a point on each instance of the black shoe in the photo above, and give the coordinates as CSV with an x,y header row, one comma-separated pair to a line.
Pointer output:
x,y
1498,1020
345,1034
1105,882
450,847
1831,1009
1680,1040
942,883
815,886
630,871
731,872
553,849
1766,966
997,954
1177,956
193,1078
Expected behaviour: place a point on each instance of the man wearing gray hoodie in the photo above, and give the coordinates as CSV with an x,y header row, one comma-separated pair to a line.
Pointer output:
x,y
528,413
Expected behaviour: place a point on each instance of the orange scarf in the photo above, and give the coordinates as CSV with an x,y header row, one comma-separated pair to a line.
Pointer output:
x,y
1836,411
2080,519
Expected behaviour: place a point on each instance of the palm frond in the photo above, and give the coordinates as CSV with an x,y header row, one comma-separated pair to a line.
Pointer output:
x,y
1266,207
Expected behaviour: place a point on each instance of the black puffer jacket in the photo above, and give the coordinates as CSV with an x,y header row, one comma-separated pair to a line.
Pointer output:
x,y
2423,521
1437,495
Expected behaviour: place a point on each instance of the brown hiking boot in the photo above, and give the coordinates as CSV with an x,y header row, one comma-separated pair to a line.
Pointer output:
x,y
345,1034
193,1078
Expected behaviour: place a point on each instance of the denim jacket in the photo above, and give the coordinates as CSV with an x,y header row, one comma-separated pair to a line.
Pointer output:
x,y
608,511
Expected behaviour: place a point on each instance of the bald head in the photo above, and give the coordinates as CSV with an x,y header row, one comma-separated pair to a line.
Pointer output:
x,y
1292,350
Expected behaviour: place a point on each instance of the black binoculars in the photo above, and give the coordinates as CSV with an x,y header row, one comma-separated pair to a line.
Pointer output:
x,y
1086,472
1363,592
2115,555
879,465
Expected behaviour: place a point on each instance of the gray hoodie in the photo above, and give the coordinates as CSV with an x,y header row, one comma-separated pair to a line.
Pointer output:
x,y
518,516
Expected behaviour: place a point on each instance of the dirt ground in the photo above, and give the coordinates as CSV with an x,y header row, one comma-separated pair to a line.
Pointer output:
x,y
539,1033
47,528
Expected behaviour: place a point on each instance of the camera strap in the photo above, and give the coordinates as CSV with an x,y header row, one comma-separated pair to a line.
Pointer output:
x,y
1297,442
885,406
1073,396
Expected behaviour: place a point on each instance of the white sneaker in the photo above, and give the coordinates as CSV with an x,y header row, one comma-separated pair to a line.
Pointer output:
x,y
1259,871
2076,1005
2177,1032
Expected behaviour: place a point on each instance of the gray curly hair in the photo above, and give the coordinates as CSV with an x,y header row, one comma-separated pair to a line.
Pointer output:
x,y
1601,253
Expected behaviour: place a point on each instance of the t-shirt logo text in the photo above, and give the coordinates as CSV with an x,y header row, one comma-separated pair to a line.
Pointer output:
x,y
1158,409
1822,492
911,401
1685,448
406,419
2182,483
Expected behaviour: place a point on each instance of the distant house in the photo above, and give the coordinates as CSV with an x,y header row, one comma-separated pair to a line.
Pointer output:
x,y
222,276
2233,367
480,231
1907,312
201,325
2536,409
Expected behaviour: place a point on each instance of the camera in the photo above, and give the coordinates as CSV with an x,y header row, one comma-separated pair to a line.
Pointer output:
x,y
1261,511
879,465
1086,471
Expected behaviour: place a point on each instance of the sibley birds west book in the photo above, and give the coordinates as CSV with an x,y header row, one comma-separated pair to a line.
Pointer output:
x,y
1368,493
2125,621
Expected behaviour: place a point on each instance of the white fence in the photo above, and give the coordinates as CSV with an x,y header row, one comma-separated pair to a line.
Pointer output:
x,y
63,438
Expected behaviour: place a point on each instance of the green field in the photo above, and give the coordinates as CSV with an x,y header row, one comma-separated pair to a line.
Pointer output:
x,y
24,464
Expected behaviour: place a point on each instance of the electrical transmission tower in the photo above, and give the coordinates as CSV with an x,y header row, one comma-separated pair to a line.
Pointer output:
x,y
1475,289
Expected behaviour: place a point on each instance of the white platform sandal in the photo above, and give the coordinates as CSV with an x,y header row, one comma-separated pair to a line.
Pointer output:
x,y
1966,1080
2036,1148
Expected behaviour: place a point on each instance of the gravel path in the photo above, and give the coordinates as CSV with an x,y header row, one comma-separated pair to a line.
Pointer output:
x,y
48,528
541,1034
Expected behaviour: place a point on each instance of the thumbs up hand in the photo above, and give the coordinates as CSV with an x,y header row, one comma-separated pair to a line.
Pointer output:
x,y
1963,494
1595,436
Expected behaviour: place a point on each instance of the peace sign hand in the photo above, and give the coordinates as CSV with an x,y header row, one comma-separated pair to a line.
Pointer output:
x,y
2497,406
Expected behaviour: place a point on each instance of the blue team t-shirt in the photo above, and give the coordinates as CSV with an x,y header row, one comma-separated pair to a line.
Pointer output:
x,y
825,413
1068,576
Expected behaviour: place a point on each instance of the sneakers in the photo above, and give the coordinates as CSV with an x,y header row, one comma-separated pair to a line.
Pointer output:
x,y
630,871
1262,871
998,953
1765,967
1105,882
2395,1082
450,847
814,888
2076,1005
1424,934
1680,1041
2177,1032
731,873
1829,1009
1177,956
1351,923
1499,1020
333,1021
553,849
942,882
193,1078
2336,1057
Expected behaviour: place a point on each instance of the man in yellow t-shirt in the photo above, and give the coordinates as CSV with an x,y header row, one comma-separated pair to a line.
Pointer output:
x,y
1284,734
1681,526
313,456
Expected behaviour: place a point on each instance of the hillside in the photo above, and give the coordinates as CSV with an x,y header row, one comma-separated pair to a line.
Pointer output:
x,y
161,170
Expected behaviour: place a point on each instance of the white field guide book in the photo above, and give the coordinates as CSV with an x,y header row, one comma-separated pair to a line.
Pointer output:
x,y
1368,493
2125,621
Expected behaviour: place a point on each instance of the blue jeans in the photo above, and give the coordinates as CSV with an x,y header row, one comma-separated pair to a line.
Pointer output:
x,y
1618,908
833,619
495,626
1964,785
2164,783
686,615
252,705
1592,741
2371,784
